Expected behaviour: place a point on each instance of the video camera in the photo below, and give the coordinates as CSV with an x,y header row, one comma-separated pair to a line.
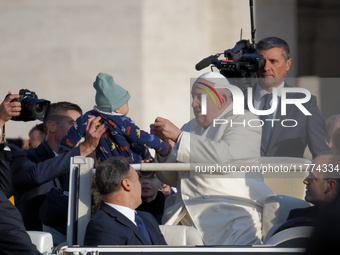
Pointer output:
x,y
32,108
241,63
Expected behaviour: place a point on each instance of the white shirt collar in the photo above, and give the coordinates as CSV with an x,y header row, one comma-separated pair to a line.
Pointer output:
x,y
126,211
107,113
260,92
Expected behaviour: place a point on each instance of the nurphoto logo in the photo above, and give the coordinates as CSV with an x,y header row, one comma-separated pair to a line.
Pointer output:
x,y
239,103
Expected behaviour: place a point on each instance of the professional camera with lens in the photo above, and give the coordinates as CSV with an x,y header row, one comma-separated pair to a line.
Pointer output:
x,y
32,108
241,63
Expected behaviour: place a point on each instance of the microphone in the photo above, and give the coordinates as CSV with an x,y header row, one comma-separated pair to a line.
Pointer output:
x,y
205,62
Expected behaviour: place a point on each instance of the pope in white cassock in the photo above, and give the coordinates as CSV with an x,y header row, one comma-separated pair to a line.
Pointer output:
x,y
225,208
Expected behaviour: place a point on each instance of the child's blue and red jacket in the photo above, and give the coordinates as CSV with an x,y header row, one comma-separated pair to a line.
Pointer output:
x,y
122,138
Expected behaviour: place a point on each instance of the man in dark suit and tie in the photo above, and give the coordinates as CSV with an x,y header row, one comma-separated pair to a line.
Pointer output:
x,y
117,222
278,139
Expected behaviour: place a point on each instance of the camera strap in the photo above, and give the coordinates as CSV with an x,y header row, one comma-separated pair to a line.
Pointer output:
x,y
3,143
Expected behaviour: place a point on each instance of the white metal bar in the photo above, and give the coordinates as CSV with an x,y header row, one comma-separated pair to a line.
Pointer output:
x,y
84,165
162,166
182,249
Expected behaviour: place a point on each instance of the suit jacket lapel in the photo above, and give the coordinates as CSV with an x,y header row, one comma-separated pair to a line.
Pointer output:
x,y
44,151
125,221
278,128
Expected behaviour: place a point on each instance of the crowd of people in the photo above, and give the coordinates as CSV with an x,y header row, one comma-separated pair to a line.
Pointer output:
x,y
226,210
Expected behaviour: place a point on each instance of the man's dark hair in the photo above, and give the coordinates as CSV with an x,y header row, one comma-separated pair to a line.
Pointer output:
x,y
39,127
272,42
110,173
54,110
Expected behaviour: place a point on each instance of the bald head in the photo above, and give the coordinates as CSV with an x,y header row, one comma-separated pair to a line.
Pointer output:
x,y
322,183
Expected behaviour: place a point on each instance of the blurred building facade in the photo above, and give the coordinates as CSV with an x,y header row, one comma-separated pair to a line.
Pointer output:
x,y
56,48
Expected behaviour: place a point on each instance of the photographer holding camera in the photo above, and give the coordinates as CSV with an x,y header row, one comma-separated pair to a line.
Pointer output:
x,y
8,110
13,236
38,170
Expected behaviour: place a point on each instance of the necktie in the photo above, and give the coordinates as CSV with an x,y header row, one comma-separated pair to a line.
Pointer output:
x,y
267,126
142,228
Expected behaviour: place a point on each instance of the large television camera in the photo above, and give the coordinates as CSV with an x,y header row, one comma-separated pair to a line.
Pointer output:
x,y
32,108
241,63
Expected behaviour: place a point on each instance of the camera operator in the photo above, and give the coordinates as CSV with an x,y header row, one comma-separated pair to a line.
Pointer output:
x,y
38,170
8,109
279,140
13,236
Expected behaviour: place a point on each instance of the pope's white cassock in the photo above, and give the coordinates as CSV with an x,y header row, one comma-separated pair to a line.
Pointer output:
x,y
226,210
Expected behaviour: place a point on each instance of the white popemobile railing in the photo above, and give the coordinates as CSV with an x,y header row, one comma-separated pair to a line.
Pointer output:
x,y
79,202
79,211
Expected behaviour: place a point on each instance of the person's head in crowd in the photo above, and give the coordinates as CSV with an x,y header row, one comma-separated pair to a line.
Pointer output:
x,y
210,82
58,119
276,53
322,183
110,97
332,123
118,182
36,135
150,185
334,143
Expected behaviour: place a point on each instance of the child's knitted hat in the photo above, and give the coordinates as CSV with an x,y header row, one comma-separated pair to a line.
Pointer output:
x,y
110,96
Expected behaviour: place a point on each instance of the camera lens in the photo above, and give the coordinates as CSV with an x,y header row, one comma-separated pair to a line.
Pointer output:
x,y
32,108
39,108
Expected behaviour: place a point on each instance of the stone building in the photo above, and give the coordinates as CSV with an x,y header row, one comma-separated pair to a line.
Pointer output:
x,y
56,48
